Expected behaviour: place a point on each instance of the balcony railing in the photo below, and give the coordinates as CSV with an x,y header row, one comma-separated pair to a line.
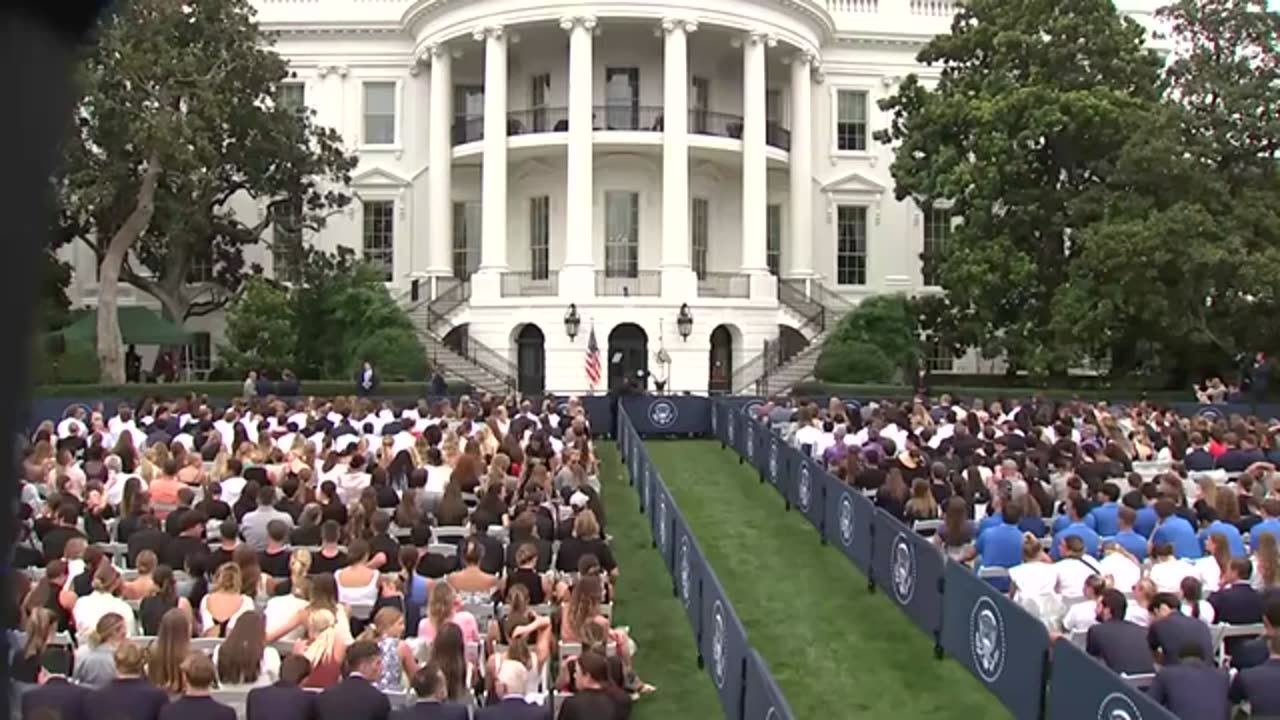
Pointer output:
x,y
627,117
528,284
468,128
724,285
538,120
705,122
645,283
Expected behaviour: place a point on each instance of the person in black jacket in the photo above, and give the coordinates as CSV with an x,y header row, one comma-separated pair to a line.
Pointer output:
x,y
429,686
196,703
55,694
285,700
355,698
366,380
130,696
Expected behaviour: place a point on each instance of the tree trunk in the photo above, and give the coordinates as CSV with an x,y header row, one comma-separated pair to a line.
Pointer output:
x,y
110,356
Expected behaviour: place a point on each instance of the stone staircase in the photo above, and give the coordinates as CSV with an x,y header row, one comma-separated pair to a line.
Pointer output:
x,y
778,369
468,361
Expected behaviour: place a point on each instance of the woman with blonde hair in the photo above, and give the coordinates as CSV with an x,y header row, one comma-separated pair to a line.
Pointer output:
x,y
95,664
1266,562
39,629
922,505
398,659
225,602
102,600
1033,583
165,656
444,607
254,583
323,648
144,584
322,597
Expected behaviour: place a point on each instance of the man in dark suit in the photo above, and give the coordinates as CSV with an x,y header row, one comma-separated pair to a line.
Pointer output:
x,y
510,685
286,700
429,685
1259,685
1193,687
1116,641
1198,458
55,694
355,698
1252,653
366,380
1171,631
1237,603
148,536
130,696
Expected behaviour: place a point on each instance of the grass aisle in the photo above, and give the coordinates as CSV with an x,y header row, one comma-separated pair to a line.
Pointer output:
x,y
836,651
667,656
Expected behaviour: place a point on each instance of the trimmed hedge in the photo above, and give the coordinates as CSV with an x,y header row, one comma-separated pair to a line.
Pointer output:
x,y
318,388
938,386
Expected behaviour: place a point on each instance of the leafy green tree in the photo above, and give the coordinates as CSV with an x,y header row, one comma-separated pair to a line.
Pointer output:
x,y
875,341
175,126
262,331
852,362
1034,101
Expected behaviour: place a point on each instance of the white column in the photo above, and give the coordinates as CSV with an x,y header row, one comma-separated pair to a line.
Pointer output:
x,y
755,195
493,189
418,243
678,280
577,277
799,243
440,163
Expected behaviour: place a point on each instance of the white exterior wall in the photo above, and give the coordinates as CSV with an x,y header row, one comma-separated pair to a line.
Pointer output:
x,y
334,46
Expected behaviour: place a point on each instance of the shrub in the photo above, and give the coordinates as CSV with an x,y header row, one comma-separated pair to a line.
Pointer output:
x,y
854,362
881,331
395,353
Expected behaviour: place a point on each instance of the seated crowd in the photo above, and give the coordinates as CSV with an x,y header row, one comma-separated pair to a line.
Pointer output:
x,y
321,559
1147,538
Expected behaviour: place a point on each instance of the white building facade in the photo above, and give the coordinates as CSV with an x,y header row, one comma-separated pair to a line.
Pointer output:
x,y
631,159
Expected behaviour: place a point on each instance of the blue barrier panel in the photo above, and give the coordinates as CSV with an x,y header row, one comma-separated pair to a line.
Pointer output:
x,y
599,409
1001,644
660,517
731,421
850,518
1081,688
668,414
780,468
763,700
909,570
724,645
752,435
713,416
644,476
808,490
688,574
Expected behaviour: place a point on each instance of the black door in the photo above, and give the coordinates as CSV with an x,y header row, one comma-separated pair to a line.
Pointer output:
x,y
531,360
720,377
628,356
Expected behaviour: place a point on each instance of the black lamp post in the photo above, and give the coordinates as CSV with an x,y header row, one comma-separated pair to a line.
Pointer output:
x,y
572,321
684,322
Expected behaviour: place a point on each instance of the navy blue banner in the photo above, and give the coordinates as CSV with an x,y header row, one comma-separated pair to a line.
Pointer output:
x,y
808,491
668,414
1001,644
714,416
644,477
850,519
732,431
764,701
688,573
907,568
780,466
724,645
661,514
753,439
1087,689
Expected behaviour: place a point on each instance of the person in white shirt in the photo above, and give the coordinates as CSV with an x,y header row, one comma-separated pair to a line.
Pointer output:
x,y
73,423
1168,571
1139,609
234,483
1082,614
1217,554
1074,569
104,599
1037,576
1193,602
1123,569
116,480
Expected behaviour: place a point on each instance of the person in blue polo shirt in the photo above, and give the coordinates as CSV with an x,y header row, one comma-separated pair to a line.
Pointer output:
x,y
1232,533
1077,510
1176,531
1126,538
1001,545
1147,518
1270,524
1104,514
995,519
1065,518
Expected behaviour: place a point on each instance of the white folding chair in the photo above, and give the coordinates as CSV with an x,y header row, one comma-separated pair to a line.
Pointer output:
x,y
442,549
1139,681
361,611
987,573
1223,632
926,527
235,697
448,533
206,645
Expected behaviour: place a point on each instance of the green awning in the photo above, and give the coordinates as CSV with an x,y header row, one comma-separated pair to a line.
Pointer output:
x,y
138,326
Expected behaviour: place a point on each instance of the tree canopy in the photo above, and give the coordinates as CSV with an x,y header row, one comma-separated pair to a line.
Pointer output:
x,y
178,125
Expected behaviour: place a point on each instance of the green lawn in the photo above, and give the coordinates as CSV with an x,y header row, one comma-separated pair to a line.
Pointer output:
x,y
837,651
667,657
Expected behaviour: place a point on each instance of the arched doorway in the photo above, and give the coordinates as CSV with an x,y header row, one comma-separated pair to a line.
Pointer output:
x,y
720,373
628,358
457,338
790,342
531,360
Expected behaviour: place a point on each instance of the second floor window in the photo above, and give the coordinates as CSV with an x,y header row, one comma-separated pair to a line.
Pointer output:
x,y
380,235
467,221
293,96
851,120
286,241
773,239
622,234
937,226
379,113
699,228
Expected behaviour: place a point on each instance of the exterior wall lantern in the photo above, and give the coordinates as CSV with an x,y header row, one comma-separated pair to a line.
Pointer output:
x,y
572,321
684,322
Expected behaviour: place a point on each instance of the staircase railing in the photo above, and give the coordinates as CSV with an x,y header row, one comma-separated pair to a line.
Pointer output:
x,y
484,357
455,293
810,300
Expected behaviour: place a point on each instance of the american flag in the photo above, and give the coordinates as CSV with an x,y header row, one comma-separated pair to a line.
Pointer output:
x,y
592,362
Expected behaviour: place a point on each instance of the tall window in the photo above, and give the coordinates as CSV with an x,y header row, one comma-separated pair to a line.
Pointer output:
x,y
286,240
937,226
201,269
468,109
540,237
773,238
699,226
622,234
622,98
851,120
467,220
539,96
851,245
201,351
773,106
380,235
379,113
292,96
940,358
699,104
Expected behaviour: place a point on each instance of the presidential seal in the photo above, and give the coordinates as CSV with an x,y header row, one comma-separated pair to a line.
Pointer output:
x,y
663,413
987,639
902,568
